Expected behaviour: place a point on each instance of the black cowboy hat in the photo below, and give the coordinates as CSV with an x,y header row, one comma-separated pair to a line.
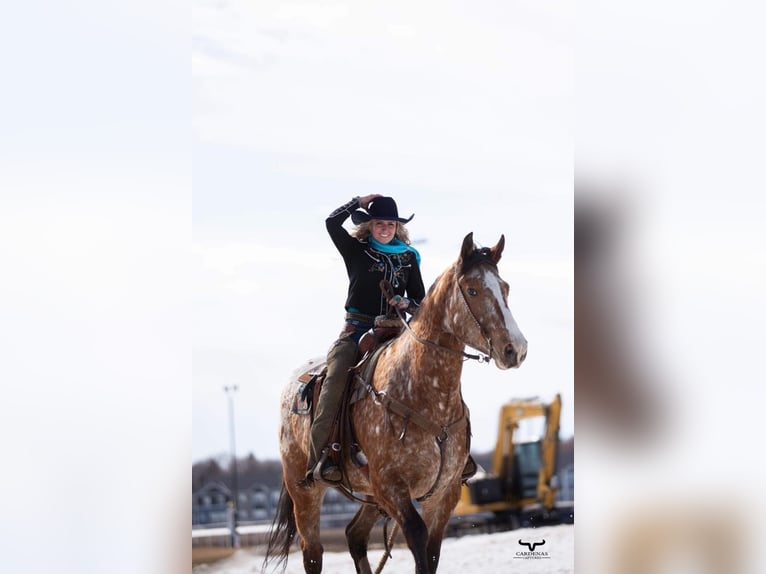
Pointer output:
x,y
379,208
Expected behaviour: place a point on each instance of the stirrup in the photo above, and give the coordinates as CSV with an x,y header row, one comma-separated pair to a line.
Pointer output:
x,y
330,472
326,470
469,470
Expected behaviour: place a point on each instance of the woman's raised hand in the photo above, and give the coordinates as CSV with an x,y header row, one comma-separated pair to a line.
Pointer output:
x,y
365,201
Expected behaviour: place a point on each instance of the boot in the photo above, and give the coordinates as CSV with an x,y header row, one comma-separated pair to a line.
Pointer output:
x,y
340,359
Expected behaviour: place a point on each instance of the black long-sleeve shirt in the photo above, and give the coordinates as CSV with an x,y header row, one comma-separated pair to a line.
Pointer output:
x,y
366,267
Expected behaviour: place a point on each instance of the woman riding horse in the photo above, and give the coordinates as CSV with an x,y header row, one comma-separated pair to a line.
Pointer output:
x,y
378,249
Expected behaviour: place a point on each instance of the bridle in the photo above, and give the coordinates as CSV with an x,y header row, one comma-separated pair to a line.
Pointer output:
x,y
385,286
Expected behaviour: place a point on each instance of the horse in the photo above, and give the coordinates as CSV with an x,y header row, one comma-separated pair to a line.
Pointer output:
x,y
412,424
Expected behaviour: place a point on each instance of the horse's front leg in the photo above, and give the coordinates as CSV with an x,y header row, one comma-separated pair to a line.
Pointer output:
x,y
437,512
404,513
416,535
358,536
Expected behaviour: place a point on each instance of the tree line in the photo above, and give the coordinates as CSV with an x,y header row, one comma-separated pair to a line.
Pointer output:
x,y
251,471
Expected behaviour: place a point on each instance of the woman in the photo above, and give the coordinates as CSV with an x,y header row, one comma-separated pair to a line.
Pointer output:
x,y
377,249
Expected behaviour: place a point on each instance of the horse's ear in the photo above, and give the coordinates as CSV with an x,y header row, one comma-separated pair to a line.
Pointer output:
x,y
497,250
467,248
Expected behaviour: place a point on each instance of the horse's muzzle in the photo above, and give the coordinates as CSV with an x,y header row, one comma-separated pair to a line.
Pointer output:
x,y
513,356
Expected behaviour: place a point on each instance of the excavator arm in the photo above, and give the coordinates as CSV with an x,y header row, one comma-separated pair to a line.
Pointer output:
x,y
546,487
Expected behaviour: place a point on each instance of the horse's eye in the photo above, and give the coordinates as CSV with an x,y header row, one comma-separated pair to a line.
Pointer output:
x,y
472,292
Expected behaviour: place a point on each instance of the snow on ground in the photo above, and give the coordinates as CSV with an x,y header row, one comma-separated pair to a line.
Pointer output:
x,y
479,553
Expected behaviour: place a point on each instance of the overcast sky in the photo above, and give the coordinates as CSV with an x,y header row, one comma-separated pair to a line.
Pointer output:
x,y
461,113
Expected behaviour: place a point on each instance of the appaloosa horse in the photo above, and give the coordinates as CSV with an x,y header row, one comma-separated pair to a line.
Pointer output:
x,y
412,424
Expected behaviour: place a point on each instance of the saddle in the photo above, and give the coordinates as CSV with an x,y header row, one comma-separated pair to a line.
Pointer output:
x,y
385,328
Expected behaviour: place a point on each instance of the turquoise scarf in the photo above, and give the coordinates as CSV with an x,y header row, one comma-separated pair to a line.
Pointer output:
x,y
394,246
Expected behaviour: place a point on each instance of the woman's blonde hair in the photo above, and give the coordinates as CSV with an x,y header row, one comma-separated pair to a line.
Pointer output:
x,y
362,231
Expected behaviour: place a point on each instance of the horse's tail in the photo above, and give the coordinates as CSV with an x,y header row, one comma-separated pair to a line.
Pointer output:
x,y
282,532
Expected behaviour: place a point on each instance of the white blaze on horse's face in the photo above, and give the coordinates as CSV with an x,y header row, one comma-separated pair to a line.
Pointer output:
x,y
491,326
487,297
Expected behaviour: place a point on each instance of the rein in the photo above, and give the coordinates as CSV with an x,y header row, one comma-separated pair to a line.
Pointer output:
x,y
385,286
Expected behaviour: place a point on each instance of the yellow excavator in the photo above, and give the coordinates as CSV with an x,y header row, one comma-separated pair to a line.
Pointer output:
x,y
522,486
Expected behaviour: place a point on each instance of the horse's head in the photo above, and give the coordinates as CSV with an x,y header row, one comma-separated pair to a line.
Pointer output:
x,y
480,313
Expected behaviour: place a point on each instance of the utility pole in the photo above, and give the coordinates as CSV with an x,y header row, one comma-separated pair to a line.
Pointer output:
x,y
230,390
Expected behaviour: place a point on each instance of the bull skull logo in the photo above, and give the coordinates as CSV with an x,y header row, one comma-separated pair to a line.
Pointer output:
x,y
531,545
